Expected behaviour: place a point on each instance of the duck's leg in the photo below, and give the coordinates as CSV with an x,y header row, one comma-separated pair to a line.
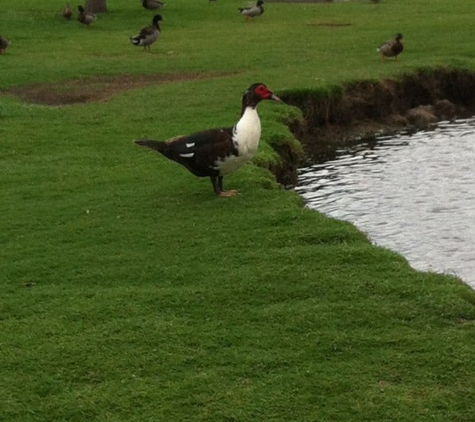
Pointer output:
x,y
217,182
214,182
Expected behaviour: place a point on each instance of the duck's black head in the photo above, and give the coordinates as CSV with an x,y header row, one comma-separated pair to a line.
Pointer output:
x,y
255,94
81,9
155,20
259,3
399,36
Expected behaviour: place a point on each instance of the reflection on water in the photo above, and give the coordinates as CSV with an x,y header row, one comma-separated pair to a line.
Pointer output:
x,y
414,194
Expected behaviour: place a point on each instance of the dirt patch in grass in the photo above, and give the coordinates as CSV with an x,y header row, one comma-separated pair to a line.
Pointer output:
x,y
98,88
331,24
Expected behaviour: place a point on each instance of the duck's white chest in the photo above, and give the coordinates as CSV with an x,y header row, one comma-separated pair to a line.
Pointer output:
x,y
246,136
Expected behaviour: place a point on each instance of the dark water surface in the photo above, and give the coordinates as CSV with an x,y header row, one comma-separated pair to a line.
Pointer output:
x,y
414,194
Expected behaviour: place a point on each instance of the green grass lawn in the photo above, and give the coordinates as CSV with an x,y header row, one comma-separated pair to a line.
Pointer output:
x,y
129,292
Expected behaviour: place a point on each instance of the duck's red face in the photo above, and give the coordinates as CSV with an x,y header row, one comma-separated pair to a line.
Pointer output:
x,y
265,93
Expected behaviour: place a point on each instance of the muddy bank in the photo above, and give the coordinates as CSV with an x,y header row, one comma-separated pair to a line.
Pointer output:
x,y
356,110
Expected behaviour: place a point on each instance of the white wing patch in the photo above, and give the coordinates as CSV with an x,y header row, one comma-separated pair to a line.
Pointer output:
x,y
191,145
189,155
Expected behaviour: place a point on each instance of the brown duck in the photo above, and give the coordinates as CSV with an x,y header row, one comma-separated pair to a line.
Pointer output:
x,y
391,48
152,4
4,44
85,18
252,11
147,35
67,11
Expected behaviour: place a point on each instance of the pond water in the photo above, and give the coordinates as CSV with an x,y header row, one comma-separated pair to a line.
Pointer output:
x,y
411,193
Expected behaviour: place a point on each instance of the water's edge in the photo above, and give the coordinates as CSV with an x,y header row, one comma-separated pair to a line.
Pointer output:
x,y
412,193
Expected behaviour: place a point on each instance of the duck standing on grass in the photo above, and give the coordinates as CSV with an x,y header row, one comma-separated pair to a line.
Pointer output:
x,y
214,153
67,11
391,48
147,35
252,11
152,4
86,18
4,44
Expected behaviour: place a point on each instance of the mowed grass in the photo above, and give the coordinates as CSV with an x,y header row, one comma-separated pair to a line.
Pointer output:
x,y
131,293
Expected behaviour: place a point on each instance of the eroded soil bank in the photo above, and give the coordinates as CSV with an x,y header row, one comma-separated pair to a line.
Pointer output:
x,y
363,109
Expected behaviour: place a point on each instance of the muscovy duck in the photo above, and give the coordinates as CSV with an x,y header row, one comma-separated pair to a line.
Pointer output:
x,y
252,11
391,48
85,18
214,153
147,35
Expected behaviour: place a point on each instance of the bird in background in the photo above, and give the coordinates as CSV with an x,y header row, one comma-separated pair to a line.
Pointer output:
x,y
4,44
152,4
391,48
217,152
147,35
67,11
86,18
252,11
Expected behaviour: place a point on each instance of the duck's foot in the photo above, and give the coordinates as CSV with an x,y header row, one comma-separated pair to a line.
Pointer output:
x,y
228,193
217,182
